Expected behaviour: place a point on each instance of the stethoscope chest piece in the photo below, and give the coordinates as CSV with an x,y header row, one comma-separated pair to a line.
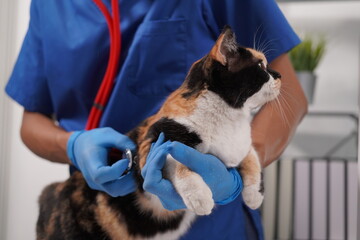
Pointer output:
x,y
128,155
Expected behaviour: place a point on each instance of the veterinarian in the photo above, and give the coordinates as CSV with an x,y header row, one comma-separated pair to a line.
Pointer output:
x,y
62,64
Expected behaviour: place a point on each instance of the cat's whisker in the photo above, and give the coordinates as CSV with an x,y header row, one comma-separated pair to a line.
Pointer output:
x,y
269,51
272,108
285,88
265,46
282,113
260,39
254,44
284,91
276,105
286,100
287,105
281,108
275,108
286,117
272,103
268,43
259,47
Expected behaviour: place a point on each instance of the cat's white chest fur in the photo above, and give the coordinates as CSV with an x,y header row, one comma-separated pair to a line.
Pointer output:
x,y
224,131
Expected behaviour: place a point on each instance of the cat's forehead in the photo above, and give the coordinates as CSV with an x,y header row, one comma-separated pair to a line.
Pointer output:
x,y
258,55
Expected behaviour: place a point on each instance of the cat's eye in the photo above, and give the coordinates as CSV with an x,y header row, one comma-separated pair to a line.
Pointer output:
x,y
262,65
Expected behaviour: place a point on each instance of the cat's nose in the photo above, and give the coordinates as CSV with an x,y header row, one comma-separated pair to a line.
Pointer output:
x,y
273,73
277,75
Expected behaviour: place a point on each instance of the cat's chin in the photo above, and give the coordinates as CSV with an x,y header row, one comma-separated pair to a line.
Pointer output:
x,y
271,96
274,97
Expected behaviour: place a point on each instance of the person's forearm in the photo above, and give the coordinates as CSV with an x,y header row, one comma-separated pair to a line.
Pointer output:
x,y
276,122
43,137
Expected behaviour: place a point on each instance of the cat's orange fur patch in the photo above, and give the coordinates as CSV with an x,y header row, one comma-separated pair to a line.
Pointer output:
x,y
50,227
215,51
144,149
77,197
178,106
250,169
109,220
56,188
175,106
258,55
182,171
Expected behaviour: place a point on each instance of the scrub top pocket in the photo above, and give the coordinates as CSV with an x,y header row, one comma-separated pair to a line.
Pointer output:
x,y
156,63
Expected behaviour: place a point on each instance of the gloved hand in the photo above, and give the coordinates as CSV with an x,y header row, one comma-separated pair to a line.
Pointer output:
x,y
88,151
153,179
225,184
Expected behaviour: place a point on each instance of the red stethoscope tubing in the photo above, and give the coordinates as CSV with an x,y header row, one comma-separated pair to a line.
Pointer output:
x,y
107,83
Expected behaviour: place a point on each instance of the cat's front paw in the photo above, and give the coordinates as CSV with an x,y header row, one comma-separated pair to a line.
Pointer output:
x,y
196,195
199,200
252,196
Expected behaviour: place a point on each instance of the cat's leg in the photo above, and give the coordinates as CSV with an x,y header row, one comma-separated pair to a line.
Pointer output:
x,y
250,170
195,193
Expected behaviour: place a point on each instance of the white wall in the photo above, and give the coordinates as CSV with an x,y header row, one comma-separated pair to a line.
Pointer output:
x,y
28,174
6,10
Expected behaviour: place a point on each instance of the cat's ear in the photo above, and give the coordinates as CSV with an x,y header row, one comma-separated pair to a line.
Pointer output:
x,y
225,46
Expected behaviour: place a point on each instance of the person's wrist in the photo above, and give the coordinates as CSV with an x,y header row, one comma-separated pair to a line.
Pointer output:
x,y
70,147
62,138
237,187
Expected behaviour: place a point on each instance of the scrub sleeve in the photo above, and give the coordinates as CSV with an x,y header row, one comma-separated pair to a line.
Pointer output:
x,y
28,84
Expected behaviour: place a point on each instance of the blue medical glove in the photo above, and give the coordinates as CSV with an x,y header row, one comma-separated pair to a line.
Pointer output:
x,y
153,179
225,184
88,151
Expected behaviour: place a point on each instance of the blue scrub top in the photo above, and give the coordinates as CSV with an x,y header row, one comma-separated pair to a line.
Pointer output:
x,y
65,54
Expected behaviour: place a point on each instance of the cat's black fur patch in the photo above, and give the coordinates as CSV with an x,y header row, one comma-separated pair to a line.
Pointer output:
x,y
262,188
273,73
173,131
195,79
236,87
45,209
134,135
136,167
140,222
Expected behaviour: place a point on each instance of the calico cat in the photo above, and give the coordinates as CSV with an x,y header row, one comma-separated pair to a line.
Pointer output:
x,y
209,112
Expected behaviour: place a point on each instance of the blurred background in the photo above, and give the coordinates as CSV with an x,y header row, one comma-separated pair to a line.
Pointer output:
x,y
311,193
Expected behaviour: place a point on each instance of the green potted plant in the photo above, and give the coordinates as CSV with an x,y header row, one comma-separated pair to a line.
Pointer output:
x,y
305,58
